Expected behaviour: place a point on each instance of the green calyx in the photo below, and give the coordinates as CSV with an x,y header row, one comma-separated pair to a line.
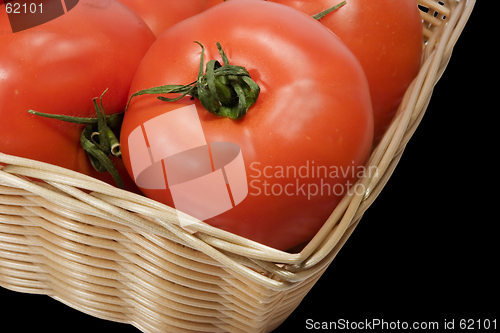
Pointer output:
x,y
99,138
224,90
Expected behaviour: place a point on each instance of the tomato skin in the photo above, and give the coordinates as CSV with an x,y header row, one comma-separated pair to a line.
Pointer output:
x,y
160,15
59,67
386,36
211,3
314,107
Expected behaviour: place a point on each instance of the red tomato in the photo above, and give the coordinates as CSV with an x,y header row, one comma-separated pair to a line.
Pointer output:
x,y
58,67
160,15
211,3
386,37
312,120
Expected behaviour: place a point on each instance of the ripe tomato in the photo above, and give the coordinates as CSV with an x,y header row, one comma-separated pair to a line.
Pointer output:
x,y
160,15
211,3
386,36
58,67
302,143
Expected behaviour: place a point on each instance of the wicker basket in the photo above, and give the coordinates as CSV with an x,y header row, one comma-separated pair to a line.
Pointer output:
x,y
122,257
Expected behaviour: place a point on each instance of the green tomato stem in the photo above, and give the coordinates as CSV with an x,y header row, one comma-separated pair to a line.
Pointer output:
x,y
98,137
98,158
322,14
224,90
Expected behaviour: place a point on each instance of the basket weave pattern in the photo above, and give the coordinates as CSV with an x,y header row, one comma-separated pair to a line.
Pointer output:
x,y
122,257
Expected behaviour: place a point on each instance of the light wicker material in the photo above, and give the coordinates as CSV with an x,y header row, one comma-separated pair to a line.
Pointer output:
x,y
122,257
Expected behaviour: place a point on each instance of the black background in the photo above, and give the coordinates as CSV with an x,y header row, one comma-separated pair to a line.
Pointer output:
x,y
424,251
